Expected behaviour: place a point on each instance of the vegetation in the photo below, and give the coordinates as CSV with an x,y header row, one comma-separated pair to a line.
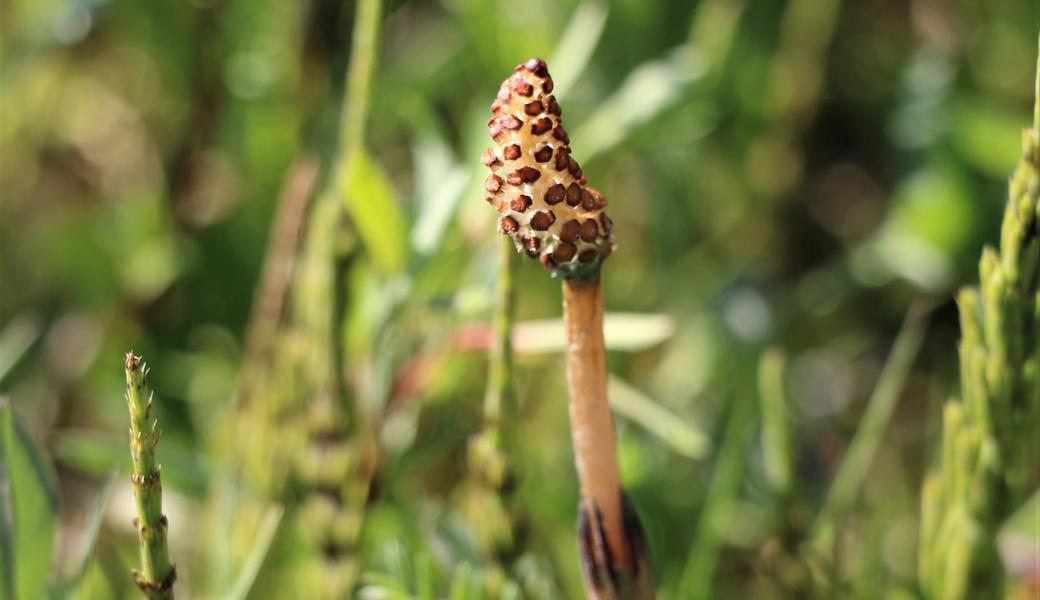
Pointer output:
x,y
988,464
157,574
361,390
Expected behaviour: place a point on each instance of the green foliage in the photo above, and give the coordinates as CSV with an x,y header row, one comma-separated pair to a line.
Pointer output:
x,y
265,533
28,511
157,574
72,584
376,212
987,467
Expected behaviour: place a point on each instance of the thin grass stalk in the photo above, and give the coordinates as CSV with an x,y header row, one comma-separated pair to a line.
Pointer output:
x,y
872,426
354,112
499,400
309,445
781,554
157,573
487,498
796,77
335,462
698,574
276,274
776,437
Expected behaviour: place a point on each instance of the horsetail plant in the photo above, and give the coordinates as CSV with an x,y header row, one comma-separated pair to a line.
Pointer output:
x,y
550,214
987,463
157,573
488,451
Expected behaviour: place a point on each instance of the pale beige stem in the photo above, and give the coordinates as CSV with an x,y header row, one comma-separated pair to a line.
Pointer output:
x,y
592,425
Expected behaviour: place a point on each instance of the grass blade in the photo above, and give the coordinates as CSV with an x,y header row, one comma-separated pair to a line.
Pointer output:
x,y
92,529
255,559
696,580
649,90
572,54
637,407
376,211
871,430
28,511
15,340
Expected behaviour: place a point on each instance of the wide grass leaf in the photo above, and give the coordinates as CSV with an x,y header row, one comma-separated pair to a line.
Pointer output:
x,y
572,54
439,182
91,531
15,340
28,511
257,553
679,436
374,206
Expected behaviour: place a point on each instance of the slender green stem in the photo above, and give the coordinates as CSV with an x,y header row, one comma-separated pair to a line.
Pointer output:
x,y
354,112
871,430
499,399
776,443
489,450
1036,91
334,464
696,580
157,574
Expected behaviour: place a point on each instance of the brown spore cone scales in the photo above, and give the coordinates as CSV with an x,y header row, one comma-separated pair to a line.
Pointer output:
x,y
536,185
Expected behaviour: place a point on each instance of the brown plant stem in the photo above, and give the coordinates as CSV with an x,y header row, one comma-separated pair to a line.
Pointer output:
x,y
276,272
592,425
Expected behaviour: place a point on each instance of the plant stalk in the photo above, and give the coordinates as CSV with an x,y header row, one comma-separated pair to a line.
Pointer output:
x,y
592,425
157,574
614,555
499,399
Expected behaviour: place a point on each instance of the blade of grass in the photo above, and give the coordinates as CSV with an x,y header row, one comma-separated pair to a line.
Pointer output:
x,y
874,423
91,530
648,90
15,340
255,559
572,54
377,214
461,582
712,32
654,86
276,273
439,184
637,407
354,113
28,511
498,401
696,580
776,443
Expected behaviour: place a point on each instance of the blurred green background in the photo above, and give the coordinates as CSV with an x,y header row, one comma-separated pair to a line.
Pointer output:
x,y
801,181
